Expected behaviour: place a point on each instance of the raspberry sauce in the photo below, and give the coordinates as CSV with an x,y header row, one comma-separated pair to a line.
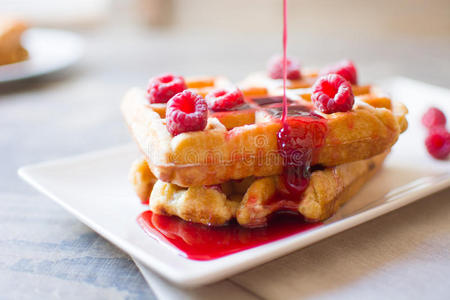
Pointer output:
x,y
301,133
285,103
200,242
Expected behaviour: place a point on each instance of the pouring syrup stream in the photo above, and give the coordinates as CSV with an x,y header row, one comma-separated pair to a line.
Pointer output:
x,y
295,174
298,137
285,107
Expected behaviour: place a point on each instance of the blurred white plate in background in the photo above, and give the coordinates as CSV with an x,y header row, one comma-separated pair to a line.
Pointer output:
x,y
49,50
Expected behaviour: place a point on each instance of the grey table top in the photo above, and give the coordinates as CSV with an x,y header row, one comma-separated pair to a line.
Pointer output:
x,y
44,251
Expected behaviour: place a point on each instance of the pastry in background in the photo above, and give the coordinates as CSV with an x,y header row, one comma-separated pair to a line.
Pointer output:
x,y
11,50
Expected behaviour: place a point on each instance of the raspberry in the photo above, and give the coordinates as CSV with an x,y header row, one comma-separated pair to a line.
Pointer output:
x,y
332,93
186,111
438,142
275,68
345,68
162,88
433,117
221,99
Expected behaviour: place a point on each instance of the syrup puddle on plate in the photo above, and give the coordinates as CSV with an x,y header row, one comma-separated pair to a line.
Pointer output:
x,y
200,242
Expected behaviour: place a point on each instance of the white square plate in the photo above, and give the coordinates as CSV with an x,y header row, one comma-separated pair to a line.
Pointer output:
x,y
94,187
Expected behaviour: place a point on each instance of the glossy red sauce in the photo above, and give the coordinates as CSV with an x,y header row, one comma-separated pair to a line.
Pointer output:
x,y
200,242
285,101
301,133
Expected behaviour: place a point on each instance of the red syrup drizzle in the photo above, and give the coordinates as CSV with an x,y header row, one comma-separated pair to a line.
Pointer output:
x,y
301,133
285,103
298,137
201,242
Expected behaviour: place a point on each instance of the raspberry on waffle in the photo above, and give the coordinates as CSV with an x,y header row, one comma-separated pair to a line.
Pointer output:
x,y
201,85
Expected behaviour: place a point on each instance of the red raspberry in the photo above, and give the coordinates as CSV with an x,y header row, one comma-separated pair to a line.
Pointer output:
x,y
221,99
438,142
275,68
345,68
162,88
186,111
332,93
433,117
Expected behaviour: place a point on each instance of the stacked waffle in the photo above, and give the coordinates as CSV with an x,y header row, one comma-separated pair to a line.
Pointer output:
x,y
234,168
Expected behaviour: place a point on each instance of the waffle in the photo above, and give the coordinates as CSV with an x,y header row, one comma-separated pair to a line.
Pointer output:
x,y
233,169
250,200
142,179
237,145
11,50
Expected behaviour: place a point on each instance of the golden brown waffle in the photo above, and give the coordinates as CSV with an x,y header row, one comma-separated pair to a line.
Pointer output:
x,y
223,152
11,50
250,201
142,179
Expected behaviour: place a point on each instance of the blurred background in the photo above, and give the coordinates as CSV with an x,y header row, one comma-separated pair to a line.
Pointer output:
x,y
234,37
